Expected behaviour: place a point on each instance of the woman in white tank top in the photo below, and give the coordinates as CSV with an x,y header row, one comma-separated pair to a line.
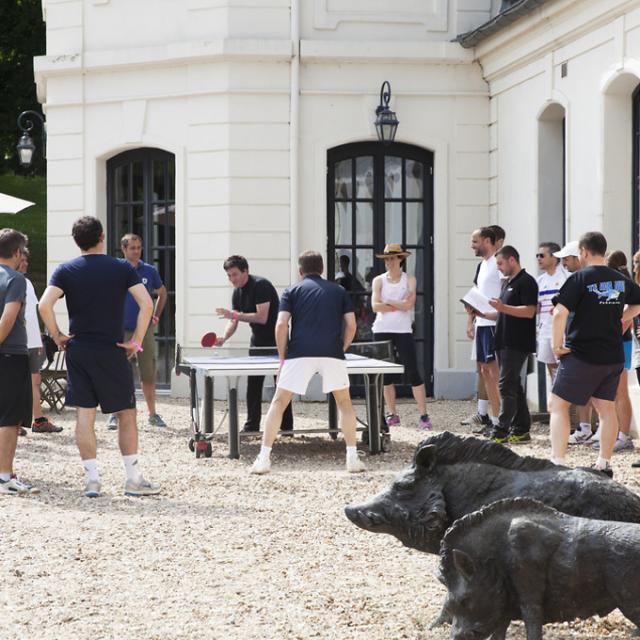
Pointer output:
x,y
393,299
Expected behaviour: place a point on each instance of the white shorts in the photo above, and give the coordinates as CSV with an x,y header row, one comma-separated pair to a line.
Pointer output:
x,y
296,374
545,352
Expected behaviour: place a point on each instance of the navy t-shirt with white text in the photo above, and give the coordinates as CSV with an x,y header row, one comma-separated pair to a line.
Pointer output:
x,y
95,287
317,309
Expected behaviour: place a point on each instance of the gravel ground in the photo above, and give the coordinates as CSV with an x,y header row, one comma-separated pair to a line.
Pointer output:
x,y
222,554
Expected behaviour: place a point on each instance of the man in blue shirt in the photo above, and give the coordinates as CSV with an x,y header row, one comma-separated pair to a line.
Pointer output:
x,y
95,287
323,326
145,360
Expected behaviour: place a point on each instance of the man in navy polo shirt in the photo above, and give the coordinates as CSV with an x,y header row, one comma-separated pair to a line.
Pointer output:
x,y
95,287
323,325
131,245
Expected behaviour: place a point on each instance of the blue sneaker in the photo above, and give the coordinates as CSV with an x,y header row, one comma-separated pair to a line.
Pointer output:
x,y
92,489
156,421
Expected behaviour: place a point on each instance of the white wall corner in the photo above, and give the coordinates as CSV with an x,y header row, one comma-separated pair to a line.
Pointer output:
x,y
133,120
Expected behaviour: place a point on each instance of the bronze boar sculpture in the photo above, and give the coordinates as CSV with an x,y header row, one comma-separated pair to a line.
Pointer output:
x,y
452,476
518,559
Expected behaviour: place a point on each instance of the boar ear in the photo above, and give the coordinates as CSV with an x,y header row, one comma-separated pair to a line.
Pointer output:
x,y
464,564
425,458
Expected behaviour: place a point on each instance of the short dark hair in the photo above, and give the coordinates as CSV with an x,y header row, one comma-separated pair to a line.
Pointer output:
x,y
488,232
509,252
594,242
239,262
311,262
86,232
553,247
128,237
10,242
499,231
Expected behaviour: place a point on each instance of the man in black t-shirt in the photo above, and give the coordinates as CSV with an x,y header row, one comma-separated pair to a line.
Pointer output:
x,y
256,302
591,307
515,339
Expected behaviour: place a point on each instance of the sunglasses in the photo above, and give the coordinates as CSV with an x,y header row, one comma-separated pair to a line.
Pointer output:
x,y
540,256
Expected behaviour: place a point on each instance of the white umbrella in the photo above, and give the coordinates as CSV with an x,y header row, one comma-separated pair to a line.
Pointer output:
x,y
9,204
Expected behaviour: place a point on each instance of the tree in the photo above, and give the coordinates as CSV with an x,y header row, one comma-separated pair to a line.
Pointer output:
x,y
22,36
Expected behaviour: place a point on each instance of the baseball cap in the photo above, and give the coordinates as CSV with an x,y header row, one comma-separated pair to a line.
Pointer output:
x,y
569,249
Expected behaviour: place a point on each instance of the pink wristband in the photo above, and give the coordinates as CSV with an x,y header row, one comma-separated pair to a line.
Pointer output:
x,y
234,316
137,345
155,318
281,361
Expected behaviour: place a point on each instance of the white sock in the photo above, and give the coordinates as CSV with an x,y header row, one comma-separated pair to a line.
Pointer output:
x,y
132,468
585,427
91,470
265,452
494,421
5,477
602,463
483,407
352,452
623,436
557,461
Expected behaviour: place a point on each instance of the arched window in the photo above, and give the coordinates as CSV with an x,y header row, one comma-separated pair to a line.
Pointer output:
x,y
141,200
378,194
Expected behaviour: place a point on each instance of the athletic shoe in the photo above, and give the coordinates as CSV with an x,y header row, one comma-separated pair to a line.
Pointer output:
x,y
156,421
623,445
392,419
260,466
13,487
580,437
484,431
141,488
608,471
519,438
43,425
425,422
476,420
112,423
92,489
249,429
499,439
636,464
22,431
355,465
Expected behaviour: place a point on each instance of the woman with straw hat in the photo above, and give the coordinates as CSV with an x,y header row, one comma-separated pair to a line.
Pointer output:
x,y
393,298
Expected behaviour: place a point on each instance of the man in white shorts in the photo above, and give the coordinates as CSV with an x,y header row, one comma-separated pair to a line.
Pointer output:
x,y
323,326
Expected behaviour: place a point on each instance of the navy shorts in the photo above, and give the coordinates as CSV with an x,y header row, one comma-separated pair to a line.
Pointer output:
x,y
15,390
485,344
577,381
99,376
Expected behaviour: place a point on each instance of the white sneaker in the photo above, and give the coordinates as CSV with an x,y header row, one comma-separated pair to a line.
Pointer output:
x,y
92,489
355,465
579,437
141,488
623,445
112,422
260,466
14,487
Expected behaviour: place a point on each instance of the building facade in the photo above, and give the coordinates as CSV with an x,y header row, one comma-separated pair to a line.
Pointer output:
x,y
214,127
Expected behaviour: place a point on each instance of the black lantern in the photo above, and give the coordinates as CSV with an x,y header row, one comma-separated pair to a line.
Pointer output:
x,y
386,121
25,146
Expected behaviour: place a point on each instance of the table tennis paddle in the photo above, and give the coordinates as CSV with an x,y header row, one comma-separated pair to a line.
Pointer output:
x,y
208,339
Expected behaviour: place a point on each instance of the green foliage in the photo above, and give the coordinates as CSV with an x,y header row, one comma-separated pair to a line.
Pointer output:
x,y
22,36
31,221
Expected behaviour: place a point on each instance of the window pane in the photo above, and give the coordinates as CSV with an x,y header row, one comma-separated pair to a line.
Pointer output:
x,y
138,182
415,222
121,180
343,179
161,362
414,176
343,223
363,269
364,177
364,318
159,222
415,267
392,177
364,223
343,269
138,220
159,184
393,222
121,226
419,319
171,170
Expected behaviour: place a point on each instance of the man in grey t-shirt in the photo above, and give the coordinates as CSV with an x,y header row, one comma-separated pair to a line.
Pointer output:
x,y
15,379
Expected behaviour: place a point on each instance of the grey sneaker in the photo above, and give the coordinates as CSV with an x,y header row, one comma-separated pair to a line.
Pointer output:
x,y
623,445
579,437
260,466
156,421
112,422
355,465
15,487
92,489
141,488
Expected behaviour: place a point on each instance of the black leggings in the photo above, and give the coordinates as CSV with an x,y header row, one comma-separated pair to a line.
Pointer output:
x,y
404,351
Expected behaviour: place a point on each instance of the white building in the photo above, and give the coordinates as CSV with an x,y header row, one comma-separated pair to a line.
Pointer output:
x,y
215,127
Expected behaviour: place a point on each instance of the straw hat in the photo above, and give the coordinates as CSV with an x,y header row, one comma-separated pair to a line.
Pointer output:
x,y
393,249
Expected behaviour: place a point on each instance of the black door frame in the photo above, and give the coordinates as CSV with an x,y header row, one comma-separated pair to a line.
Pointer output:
x,y
379,152
635,178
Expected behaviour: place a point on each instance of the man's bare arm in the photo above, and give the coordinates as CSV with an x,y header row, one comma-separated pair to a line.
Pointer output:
x,y
349,332
145,304
8,318
161,301
260,316
282,333
48,301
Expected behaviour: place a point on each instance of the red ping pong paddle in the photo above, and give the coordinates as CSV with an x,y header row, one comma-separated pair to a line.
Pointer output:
x,y
208,339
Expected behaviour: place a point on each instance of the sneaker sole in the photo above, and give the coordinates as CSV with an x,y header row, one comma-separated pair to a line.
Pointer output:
x,y
139,494
91,494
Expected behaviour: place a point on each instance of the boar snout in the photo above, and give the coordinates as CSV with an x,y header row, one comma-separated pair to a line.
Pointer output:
x,y
365,518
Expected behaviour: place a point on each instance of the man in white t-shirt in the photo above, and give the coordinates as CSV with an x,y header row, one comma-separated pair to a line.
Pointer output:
x,y
549,283
36,353
483,243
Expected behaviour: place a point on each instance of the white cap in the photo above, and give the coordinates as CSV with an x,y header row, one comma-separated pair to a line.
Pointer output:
x,y
569,249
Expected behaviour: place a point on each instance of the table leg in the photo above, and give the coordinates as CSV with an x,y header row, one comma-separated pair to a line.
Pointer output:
x,y
373,412
193,389
208,405
234,435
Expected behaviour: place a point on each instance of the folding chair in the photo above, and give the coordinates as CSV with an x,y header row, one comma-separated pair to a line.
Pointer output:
x,y
53,383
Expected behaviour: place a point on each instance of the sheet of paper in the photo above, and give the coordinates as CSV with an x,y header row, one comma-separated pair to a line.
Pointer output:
x,y
477,301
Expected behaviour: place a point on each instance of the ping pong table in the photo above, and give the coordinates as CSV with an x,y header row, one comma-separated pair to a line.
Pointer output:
x,y
233,368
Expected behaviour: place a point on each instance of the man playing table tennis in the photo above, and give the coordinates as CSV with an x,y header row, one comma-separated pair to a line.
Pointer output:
x,y
255,301
323,325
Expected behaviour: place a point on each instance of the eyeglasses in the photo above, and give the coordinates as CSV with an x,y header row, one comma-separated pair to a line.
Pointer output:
x,y
540,256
